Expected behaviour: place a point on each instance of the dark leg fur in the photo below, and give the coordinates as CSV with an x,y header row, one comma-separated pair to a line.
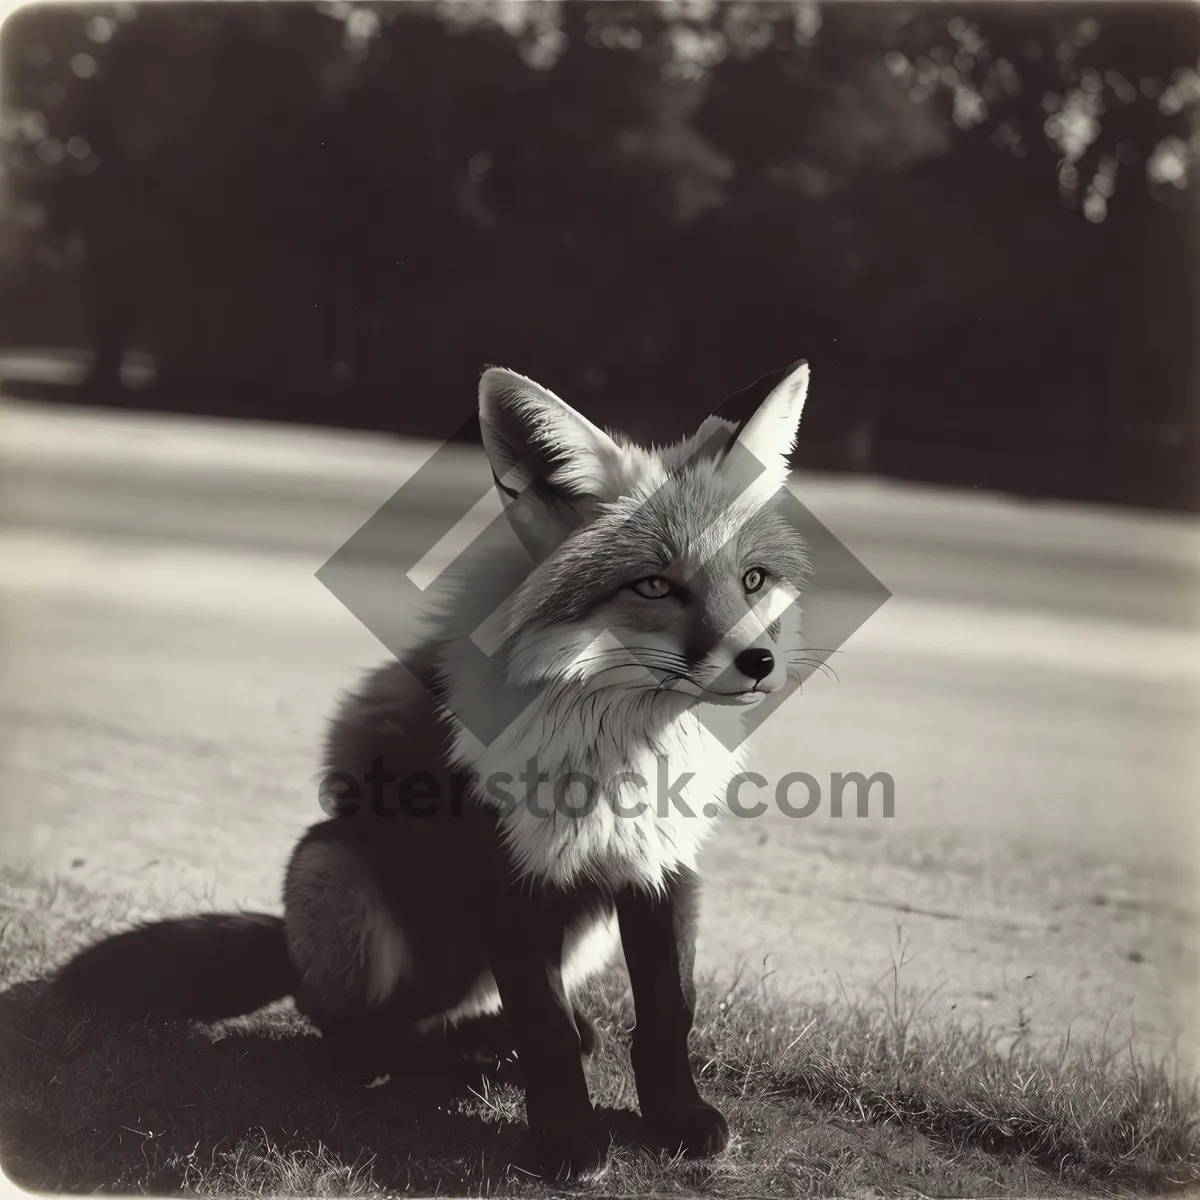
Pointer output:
x,y
491,1037
658,934
526,958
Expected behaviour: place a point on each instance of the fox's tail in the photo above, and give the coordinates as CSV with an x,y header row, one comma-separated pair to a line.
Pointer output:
x,y
207,967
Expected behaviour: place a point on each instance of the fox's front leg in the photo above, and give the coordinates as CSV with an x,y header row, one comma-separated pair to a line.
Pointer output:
x,y
658,936
526,960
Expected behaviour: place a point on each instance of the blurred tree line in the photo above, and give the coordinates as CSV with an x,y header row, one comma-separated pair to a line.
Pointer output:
x,y
975,221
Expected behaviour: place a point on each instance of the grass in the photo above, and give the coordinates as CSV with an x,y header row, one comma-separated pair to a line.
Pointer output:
x,y
850,1098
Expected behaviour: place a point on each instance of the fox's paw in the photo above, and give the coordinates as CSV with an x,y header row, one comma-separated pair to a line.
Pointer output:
x,y
696,1130
562,1152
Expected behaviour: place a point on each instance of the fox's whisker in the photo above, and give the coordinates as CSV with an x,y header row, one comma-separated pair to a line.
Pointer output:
x,y
817,665
633,656
625,667
647,664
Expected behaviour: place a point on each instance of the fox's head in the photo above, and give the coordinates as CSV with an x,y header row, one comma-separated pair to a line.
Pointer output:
x,y
665,571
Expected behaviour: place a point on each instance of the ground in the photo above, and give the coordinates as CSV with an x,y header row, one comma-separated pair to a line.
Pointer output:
x,y
1031,687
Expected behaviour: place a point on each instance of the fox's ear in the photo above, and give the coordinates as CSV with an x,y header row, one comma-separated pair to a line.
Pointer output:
x,y
551,465
769,436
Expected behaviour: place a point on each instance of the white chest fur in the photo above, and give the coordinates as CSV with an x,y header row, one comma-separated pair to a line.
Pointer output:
x,y
588,793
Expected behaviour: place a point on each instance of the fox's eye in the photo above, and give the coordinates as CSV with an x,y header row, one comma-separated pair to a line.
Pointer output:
x,y
754,579
653,587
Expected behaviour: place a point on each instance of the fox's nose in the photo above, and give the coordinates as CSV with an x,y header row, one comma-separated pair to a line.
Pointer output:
x,y
758,664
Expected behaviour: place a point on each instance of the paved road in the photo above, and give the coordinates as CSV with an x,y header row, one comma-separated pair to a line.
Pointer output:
x,y
169,659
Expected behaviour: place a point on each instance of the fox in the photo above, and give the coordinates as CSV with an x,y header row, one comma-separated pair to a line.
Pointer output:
x,y
634,590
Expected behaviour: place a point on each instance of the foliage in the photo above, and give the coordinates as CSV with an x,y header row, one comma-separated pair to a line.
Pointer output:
x,y
634,199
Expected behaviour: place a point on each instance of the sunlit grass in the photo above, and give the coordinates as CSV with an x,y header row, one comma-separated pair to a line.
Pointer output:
x,y
850,1097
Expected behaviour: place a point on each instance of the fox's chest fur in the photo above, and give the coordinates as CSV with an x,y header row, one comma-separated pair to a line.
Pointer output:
x,y
596,796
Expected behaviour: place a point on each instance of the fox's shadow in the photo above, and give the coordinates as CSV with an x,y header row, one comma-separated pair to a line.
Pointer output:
x,y
93,1103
